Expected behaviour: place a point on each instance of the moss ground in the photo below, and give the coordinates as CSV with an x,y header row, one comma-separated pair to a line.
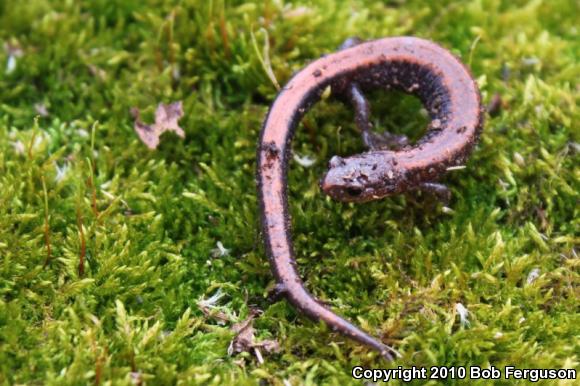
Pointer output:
x,y
77,188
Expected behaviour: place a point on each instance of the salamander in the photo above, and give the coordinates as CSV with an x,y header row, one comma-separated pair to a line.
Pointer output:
x,y
416,66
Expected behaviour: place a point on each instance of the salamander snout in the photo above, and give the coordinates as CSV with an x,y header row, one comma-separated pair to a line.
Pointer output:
x,y
356,179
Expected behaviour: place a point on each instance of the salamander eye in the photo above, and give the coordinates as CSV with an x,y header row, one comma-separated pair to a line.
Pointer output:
x,y
336,161
354,192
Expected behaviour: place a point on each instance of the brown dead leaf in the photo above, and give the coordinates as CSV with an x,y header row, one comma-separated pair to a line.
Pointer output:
x,y
214,313
210,308
268,345
244,340
166,117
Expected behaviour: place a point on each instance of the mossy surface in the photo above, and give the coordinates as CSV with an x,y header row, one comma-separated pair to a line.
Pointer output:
x,y
77,184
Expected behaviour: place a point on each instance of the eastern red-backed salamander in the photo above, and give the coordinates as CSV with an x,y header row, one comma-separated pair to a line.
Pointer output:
x,y
415,66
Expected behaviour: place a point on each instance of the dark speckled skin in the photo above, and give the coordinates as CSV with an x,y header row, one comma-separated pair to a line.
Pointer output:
x,y
413,65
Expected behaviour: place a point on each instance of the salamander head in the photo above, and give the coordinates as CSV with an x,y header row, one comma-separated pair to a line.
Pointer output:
x,y
360,178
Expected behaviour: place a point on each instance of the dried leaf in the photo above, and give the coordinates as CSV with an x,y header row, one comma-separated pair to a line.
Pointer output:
x,y
244,340
269,345
211,310
166,117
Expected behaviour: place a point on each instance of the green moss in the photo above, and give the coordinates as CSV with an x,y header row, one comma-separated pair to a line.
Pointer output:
x,y
149,221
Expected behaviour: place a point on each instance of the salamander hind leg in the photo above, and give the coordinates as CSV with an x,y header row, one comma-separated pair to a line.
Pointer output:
x,y
441,191
371,139
361,105
277,293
